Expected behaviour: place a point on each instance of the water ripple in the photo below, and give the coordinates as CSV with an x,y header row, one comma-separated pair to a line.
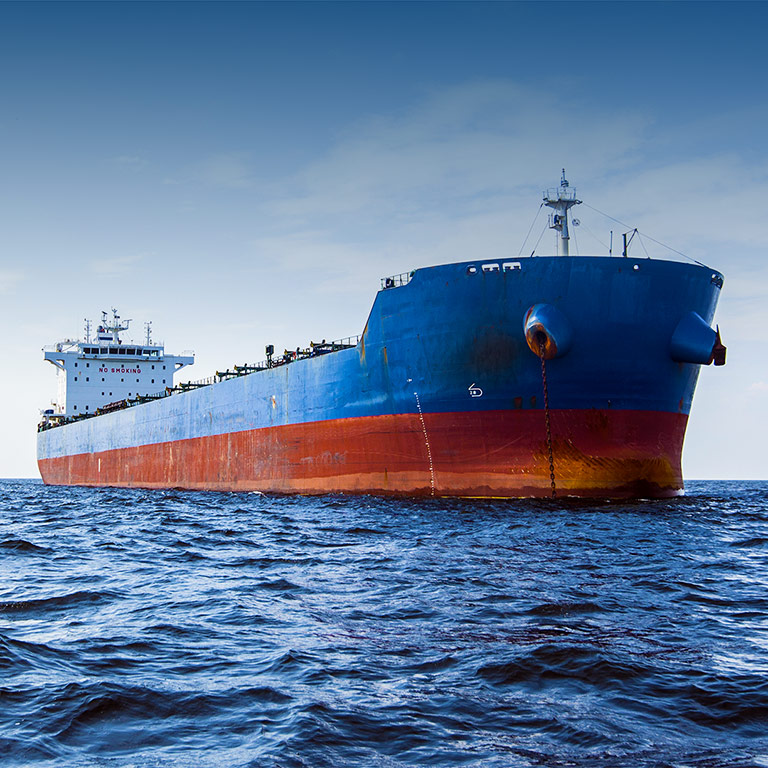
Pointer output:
x,y
168,628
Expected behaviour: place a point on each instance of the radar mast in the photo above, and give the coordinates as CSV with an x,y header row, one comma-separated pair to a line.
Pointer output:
x,y
561,199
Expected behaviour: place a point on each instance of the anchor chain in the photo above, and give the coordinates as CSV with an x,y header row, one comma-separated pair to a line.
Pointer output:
x,y
546,418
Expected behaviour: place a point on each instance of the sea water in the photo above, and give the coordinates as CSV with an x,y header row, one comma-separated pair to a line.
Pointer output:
x,y
171,628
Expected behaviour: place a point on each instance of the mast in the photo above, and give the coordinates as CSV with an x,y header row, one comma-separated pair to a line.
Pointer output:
x,y
561,199
117,327
110,332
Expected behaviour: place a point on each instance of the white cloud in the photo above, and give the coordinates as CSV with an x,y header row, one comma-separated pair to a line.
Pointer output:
x,y
9,279
226,169
463,149
129,161
116,266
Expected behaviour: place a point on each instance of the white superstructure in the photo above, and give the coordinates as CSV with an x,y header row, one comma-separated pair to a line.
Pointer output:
x,y
97,372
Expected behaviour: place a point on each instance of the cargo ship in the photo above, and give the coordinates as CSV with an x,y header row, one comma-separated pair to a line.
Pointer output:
x,y
533,376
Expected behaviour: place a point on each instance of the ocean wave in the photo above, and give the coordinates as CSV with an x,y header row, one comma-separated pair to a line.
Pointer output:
x,y
141,629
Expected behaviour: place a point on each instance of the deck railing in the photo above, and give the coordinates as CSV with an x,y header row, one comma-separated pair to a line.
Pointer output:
x,y
395,281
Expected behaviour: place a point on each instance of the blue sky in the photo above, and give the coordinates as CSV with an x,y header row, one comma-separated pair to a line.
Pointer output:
x,y
244,173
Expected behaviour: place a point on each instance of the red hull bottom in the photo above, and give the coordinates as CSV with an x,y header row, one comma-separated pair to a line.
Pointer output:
x,y
496,454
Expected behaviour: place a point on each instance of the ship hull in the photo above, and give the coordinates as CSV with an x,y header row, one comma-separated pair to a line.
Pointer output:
x,y
442,396
489,454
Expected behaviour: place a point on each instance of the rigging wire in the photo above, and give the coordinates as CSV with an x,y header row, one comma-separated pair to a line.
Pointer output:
x,y
539,240
607,248
640,238
658,242
520,253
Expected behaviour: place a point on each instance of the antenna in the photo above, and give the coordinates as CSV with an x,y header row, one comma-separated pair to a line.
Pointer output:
x,y
87,331
148,329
